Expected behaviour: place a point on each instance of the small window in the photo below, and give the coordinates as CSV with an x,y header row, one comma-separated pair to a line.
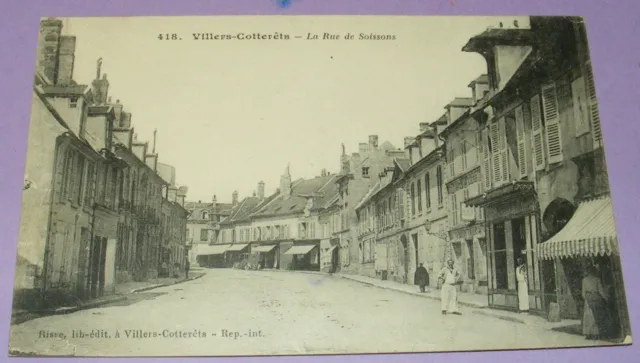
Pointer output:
x,y
205,215
73,102
365,172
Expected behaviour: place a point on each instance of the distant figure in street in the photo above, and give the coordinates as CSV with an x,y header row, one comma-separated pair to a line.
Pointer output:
x,y
421,278
449,277
597,322
176,270
187,265
164,269
523,286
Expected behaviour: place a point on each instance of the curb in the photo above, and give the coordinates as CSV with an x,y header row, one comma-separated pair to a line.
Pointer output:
x,y
147,288
461,303
91,305
502,317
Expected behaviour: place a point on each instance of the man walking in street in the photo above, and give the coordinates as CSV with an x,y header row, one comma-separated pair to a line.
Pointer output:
x,y
421,278
449,278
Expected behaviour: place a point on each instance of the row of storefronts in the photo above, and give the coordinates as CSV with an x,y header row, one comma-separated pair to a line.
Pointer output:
x,y
510,182
305,255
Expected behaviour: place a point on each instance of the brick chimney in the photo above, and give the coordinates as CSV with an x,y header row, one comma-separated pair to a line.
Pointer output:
x,y
49,48
100,88
260,191
234,198
66,60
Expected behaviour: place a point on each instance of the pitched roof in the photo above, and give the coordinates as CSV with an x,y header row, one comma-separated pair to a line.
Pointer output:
x,y
383,182
196,209
483,79
460,102
321,189
403,163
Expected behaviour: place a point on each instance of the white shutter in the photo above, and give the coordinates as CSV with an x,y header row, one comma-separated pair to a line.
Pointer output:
x,y
539,160
522,144
486,160
594,114
552,123
504,151
494,130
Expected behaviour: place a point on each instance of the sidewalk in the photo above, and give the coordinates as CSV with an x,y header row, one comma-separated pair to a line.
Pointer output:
x,y
121,292
139,286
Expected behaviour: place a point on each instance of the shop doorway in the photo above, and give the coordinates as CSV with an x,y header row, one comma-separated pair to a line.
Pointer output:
x,y
500,257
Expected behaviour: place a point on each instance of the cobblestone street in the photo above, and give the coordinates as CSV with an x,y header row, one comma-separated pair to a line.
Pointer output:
x,y
236,312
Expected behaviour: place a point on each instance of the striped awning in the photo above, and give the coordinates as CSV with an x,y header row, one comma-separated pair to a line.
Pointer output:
x,y
204,250
237,247
300,250
590,232
265,248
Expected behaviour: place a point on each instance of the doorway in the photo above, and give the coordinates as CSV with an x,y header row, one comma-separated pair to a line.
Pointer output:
x,y
97,262
519,239
83,263
500,257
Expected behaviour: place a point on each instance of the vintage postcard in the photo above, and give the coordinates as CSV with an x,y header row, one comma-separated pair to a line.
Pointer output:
x,y
241,186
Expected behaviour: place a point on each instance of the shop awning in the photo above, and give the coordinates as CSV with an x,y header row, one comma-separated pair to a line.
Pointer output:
x,y
263,248
237,247
300,250
212,249
590,232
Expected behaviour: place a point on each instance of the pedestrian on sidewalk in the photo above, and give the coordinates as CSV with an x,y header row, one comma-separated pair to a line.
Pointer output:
x,y
421,278
187,265
523,286
449,277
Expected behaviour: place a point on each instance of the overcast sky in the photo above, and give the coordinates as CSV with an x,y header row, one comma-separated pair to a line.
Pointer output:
x,y
230,113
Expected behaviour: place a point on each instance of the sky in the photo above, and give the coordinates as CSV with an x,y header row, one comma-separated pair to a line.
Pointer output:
x,y
231,113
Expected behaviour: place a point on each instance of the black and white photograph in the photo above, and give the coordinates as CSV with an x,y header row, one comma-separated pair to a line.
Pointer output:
x,y
315,185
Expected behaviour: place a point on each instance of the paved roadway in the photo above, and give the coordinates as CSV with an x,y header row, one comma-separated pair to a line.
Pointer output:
x,y
234,312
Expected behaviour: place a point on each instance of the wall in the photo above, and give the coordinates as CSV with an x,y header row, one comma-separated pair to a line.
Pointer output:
x,y
36,201
508,59
71,116
97,129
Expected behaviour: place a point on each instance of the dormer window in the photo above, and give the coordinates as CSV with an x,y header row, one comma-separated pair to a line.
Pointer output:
x,y
365,172
205,215
73,102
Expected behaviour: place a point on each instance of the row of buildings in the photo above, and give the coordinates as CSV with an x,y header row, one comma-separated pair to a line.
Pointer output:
x,y
515,171
98,208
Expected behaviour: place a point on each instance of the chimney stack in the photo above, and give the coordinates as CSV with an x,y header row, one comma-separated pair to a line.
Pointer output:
x,y
424,126
373,142
214,205
234,198
363,148
66,60
408,141
49,48
261,190
285,183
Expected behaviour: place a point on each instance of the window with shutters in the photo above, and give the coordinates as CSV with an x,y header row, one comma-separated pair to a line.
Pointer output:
x,y
427,190
580,107
413,199
440,185
454,210
89,185
551,117
537,134
522,141
485,145
452,162
419,195
463,154
594,114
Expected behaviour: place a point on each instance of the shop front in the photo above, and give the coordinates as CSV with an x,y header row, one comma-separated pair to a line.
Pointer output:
x,y
589,241
305,256
265,255
512,230
212,256
236,253
470,248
